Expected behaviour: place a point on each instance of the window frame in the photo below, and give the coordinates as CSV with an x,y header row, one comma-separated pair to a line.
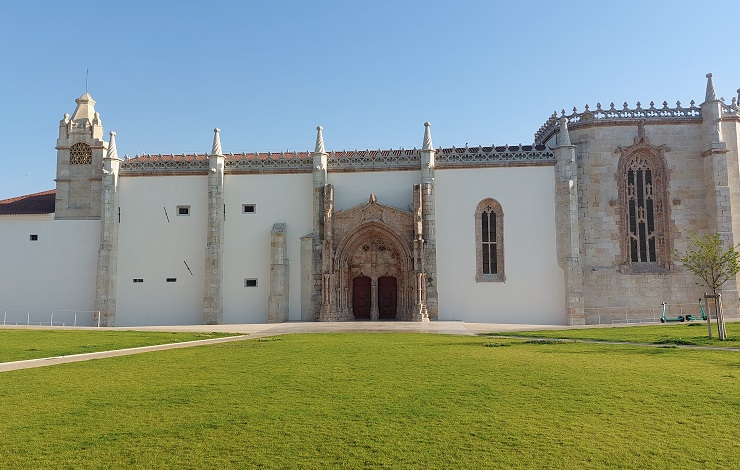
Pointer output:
x,y
489,206
651,158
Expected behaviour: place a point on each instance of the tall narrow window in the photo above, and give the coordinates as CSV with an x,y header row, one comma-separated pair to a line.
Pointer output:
x,y
488,234
644,217
641,212
489,241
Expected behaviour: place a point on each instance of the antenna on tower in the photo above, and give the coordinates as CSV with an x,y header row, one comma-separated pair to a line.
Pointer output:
x,y
87,72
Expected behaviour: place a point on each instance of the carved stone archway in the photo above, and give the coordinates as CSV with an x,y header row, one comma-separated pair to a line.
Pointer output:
x,y
375,251
377,242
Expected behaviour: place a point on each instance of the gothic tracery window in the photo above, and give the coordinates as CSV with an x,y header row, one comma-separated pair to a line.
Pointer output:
x,y
641,211
642,181
80,154
489,241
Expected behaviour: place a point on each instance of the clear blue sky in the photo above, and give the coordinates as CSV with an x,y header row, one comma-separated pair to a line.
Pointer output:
x,y
164,74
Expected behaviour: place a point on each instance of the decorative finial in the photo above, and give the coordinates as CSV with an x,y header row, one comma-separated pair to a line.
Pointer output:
x,y
711,95
216,142
427,137
564,135
319,140
112,152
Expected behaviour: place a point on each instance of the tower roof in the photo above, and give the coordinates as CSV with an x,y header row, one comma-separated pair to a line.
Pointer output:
x,y
85,108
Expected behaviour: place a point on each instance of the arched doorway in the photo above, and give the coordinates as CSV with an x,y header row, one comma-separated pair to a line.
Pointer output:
x,y
361,297
387,297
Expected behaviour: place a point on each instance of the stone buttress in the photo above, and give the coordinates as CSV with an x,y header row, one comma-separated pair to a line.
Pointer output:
x,y
429,290
278,302
105,284
722,176
312,244
568,229
213,297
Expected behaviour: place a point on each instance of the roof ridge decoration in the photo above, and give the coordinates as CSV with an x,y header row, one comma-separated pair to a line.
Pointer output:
x,y
614,115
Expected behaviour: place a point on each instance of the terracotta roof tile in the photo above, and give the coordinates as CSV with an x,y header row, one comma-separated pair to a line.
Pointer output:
x,y
39,203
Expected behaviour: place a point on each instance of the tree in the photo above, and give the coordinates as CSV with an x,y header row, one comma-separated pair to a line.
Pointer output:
x,y
714,265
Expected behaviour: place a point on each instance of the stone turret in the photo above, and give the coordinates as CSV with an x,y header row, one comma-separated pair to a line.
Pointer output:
x,y
105,286
213,298
80,151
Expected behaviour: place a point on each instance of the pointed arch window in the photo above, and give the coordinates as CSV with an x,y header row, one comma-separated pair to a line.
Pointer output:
x,y
643,184
489,241
641,212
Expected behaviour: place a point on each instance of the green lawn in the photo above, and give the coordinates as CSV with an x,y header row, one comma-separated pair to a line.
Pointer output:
x,y
21,344
378,401
670,333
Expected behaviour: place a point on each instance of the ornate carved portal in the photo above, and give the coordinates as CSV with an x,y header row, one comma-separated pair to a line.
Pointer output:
x,y
369,268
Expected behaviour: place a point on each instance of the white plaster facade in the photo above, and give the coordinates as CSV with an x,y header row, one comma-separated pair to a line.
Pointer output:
x,y
331,236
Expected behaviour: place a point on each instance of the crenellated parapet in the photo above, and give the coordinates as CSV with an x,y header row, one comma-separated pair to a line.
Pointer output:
x,y
506,155
343,160
613,116
731,110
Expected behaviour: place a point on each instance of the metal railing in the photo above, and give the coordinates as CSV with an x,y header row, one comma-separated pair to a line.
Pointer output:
x,y
637,314
51,317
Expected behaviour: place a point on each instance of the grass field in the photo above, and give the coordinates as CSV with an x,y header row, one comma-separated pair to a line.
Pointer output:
x,y
22,344
671,333
378,401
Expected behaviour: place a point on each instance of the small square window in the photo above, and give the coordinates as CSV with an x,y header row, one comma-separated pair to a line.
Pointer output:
x,y
34,238
138,280
250,282
249,208
183,210
171,279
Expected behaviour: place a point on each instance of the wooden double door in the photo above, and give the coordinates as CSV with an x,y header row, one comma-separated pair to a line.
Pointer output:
x,y
363,300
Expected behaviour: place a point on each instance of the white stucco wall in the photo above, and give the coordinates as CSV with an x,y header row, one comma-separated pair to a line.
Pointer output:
x,y
534,287
283,198
153,249
392,188
56,272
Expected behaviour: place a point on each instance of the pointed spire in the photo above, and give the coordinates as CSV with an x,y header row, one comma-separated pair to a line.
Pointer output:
x,y
711,95
319,140
112,152
427,137
216,143
564,135
85,108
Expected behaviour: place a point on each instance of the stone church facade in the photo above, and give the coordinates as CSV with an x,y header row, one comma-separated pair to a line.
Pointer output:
x,y
582,226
